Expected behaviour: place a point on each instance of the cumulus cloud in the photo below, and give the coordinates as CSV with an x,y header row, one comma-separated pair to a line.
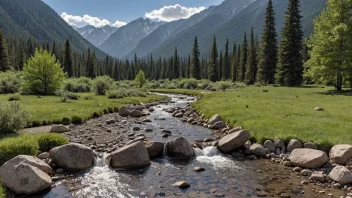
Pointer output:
x,y
89,20
173,12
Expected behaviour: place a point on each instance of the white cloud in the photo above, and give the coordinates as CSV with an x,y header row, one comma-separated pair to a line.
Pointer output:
x,y
173,12
80,21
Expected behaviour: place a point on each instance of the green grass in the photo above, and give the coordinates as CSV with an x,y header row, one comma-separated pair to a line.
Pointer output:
x,y
193,92
49,109
282,112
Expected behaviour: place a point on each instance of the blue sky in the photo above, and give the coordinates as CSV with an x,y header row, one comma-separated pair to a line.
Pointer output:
x,y
126,10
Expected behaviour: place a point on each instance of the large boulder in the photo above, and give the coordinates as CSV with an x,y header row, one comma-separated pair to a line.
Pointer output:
x,y
341,175
131,156
59,128
124,111
341,154
24,178
258,150
233,141
308,158
216,118
155,149
269,145
73,157
179,148
293,144
218,125
30,160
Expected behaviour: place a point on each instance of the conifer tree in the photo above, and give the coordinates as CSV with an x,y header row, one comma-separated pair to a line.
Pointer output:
x,y
243,60
268,54
4,54
220,66
234,63
212,74
195,62
251,67
68,62
91,65
290,64
226,73
188,68
176,65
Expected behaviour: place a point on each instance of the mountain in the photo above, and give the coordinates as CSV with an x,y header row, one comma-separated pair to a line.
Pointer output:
x,y
23,18
184,39
126,38
253,16
96,35
166,31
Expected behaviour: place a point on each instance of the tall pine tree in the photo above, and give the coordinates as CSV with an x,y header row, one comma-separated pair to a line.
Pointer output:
x,y
212,73
234,63
251,67
195,62
68,62
4,54
176,68
268,54
243,60
226,71
290,64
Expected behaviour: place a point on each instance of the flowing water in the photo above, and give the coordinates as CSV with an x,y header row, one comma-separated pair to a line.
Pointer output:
x,y
224,176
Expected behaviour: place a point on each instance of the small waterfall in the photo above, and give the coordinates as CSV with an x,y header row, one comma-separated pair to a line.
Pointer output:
x,y
102,160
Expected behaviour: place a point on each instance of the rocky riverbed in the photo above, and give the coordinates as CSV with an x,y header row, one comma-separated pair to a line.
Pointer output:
x,y
209,174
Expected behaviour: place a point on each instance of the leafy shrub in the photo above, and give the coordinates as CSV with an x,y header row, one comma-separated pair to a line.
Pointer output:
x,y
77,120
71,85
122,93
72,96
223,85
88,98
171,86
47,141
102,84
14,98
240,85
203,84
140,79
66,121
36,123
12,117
78,85
10,82
188,83
12,146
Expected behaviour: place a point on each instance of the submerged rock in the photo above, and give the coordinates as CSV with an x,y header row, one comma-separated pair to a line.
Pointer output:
x,y
233,141
73,157
155,149
181,184
179,148
341,154
308,158
132,156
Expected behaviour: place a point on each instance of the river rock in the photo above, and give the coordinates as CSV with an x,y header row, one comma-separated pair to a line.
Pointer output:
x,y
124,111
179,148
341,154
44,155
181,184
73,157
269,145
317,176
233,141
279,142
23,178
30,160
139,139
310,145
308,158
258,150
216,118
136,113
155,149
293,144
218,125
59,128
132,156
341,174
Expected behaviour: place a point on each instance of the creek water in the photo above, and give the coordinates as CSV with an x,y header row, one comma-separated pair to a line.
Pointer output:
x,y
224,175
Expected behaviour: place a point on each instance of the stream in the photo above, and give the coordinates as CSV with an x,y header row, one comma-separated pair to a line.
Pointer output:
x,y
224,175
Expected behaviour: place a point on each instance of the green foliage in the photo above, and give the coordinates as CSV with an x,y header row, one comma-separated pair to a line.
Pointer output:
x,y
10,82
14,98
243,59
195,62
47,141
12,146
102,85
4,54
79,85
251,67
171,86
68,62
140,79
268,55
223,85
12,117
213,69
122,93
43,73
331,45
290,65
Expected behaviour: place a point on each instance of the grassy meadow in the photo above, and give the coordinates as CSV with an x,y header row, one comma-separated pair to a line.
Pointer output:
x,y
49,109
282,112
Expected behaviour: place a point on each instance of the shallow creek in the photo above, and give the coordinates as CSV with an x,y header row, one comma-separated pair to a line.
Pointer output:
x,y
224,175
